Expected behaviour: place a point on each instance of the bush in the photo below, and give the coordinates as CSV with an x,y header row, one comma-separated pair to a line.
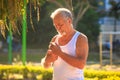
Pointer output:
x,y
101,75
30,72
24,72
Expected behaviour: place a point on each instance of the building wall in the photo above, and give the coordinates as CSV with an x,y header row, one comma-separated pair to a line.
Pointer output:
x,y
108,26
107,23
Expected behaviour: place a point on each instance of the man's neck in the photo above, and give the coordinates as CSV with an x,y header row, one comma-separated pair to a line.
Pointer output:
x,y
69,34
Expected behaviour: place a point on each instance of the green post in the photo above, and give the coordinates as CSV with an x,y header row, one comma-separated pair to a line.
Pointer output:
x,y
24,27
10,45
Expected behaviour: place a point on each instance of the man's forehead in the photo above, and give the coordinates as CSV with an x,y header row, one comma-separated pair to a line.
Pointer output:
x,y
58,16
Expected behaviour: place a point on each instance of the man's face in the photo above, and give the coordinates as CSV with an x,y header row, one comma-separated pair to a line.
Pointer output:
x,y
61,24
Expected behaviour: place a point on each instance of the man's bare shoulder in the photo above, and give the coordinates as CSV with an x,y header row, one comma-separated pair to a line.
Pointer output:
x,y
82,37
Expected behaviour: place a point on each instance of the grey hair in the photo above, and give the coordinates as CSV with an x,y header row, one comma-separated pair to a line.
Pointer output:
x,y
62,11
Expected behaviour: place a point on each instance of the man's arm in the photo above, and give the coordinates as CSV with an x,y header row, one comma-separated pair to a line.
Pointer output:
x,y
50,57
82,49
81,52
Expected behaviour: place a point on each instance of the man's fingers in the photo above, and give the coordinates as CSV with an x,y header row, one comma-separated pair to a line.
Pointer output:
x,y
51,46
49,52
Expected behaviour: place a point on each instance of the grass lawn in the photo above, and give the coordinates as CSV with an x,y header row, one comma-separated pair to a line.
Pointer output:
x,y
35,55
31,56
93,56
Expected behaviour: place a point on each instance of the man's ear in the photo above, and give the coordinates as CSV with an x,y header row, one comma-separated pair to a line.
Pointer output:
x,y
69,20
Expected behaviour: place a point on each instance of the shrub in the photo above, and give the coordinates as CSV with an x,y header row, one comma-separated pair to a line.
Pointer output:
x,y
30,72
101,75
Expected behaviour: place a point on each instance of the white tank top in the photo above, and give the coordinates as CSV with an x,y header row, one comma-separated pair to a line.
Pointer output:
x,y
61,69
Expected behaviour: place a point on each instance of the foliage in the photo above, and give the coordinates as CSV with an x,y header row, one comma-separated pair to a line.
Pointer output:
x,y
101,75
31,72
24,72
81,6
39,25
12,11
115,13
115,9
44,29
89,26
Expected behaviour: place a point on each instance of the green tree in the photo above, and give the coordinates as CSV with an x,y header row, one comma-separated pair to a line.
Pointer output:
x,y
80,5
44,29
13,10
90,26
114,12
85,16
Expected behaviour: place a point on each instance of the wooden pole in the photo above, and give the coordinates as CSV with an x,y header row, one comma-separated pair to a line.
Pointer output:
x,y
111,48
100,43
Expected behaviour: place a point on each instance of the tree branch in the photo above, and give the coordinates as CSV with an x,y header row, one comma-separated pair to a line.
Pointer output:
x,y
56,2
80,13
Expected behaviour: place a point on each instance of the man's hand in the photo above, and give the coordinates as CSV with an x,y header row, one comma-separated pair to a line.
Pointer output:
x,y
50,57
55,48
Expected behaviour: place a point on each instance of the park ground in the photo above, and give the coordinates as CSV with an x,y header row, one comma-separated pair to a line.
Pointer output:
x,y
34,56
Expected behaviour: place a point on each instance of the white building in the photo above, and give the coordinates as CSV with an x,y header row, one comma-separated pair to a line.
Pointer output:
x,y
107,23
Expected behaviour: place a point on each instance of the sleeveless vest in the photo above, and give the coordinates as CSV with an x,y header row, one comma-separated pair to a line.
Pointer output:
x,y
61,69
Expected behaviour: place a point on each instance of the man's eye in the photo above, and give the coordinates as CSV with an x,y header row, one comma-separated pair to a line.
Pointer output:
x,y
61,25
